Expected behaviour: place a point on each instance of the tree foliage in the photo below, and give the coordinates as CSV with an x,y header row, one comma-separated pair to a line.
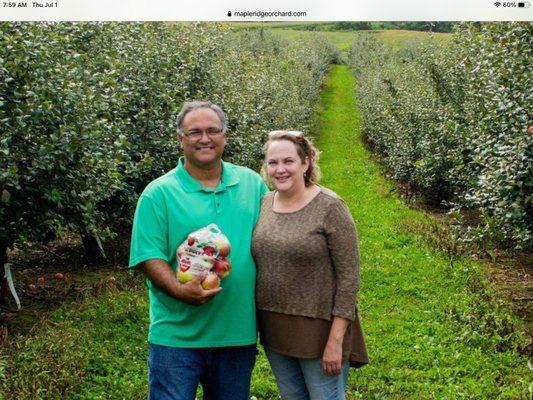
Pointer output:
x,y
87,112
450,120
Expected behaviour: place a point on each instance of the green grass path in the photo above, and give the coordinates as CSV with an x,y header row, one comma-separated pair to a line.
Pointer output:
x,y
431,331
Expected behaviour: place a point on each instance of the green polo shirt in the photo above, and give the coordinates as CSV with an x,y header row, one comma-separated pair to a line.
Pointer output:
x,y
170,208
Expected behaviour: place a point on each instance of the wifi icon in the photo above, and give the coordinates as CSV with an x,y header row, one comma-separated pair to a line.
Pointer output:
x,y
497,4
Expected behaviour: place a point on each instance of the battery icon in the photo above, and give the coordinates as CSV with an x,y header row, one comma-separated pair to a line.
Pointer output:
x,y
523,4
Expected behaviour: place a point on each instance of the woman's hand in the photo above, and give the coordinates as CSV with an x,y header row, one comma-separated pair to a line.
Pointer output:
x,y
332,358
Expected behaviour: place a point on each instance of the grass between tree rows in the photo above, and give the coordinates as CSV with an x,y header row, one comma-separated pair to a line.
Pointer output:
x,y
433,330
432,325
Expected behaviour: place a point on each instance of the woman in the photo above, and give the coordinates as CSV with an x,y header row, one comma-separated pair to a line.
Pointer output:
x,y
305,247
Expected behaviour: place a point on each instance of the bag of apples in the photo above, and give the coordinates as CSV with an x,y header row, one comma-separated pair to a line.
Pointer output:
x,y
204,250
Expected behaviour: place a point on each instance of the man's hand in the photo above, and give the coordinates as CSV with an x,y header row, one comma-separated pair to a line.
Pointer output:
x,y
192,292
163,277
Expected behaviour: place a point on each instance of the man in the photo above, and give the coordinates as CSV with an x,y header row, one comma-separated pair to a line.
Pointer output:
x,y
197,335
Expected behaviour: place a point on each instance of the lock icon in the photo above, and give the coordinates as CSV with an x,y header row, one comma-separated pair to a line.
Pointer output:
x,y
229,13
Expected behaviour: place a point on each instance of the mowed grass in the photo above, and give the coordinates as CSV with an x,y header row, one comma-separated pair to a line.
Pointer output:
x,y
396,37
96,349
432,328
343,40
340,39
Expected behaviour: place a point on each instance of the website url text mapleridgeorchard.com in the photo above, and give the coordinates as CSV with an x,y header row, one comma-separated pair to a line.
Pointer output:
x,y
266,14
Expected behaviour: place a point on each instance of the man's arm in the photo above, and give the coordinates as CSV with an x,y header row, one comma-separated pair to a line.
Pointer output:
x,y
163,277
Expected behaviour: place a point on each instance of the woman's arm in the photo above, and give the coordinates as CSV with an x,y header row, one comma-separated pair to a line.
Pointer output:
x,y
332,358
341,237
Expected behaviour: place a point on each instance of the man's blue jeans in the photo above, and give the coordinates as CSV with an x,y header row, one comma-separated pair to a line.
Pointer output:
x,y
303,379
223,372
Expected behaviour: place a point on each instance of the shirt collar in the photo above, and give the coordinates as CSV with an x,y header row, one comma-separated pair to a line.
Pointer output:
x,y
190,184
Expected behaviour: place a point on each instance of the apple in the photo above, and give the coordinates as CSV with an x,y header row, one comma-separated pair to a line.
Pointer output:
x,y
222,267
185,277
190,241
40,280
211,281
223,247
58,276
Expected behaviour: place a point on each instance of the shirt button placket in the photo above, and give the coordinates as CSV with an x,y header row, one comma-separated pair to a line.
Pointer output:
x,y
216,198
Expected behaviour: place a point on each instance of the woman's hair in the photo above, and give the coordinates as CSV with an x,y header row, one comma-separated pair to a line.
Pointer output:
x,y
304,148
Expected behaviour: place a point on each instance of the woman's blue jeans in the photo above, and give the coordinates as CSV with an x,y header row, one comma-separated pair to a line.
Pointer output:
x,y
223,372
303,379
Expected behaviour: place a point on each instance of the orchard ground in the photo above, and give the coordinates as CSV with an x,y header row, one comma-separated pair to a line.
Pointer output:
x,y
435,327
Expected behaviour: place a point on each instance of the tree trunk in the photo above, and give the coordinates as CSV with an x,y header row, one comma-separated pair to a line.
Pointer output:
x,y
90,245
4,289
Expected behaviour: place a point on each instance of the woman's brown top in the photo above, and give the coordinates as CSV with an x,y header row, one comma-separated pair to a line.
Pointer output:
x,y
305,337
307,273
307,260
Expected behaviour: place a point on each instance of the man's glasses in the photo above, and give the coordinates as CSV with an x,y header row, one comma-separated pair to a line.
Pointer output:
x,y
276,134
196,134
